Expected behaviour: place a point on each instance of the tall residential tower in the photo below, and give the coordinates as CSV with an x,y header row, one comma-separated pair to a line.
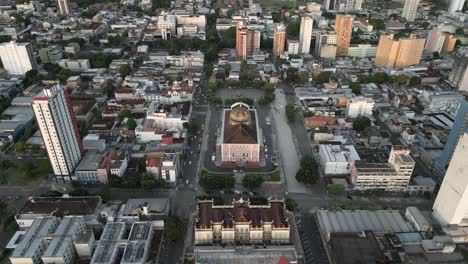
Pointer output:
x,y
456,5
247,41
399,53
17,58
59,129
344,30
279,40
305,33
409,9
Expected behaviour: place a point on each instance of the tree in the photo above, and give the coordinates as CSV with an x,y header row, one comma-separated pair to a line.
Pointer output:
x,y
415,80
126,113
227,68
51,193
460,31
266,43
291,204
252,181
435,55
211,181
308,171
360,123
402,79
291,113
379,24
323,77
303,76
174,229
356,88
79,192
291,75
20,147
293,28
381,77
5,38
30,77
124,70
131,124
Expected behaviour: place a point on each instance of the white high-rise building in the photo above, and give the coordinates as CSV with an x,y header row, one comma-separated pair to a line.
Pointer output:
x,y
17,58
435,41
451,204
456,5
59,129
409,9
305,34
325,45
64,7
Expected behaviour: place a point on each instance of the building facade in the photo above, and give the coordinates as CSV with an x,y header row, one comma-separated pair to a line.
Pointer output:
x,y
344,30
279,40
293,46
458,76
451,204
64,7
59,129
435,41
359,106
305,34
247,41
239,143
459,128
399,53
241,222
325,45
456,5
409,9
17,58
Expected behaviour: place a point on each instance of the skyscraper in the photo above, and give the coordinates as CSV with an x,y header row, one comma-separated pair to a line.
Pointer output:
x,y
456,5
458,76
399,52
409,9
460,126
64,7
451,204
57,123
17,58
305,33
330,4
344,29
247,41
279,40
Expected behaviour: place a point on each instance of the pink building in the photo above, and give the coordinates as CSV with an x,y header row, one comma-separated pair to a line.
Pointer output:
x,y
240,141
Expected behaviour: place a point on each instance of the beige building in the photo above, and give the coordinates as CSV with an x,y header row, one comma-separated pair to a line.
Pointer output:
x,y
399,53
449,43
242,223
344,30
240,138
392,176
279,40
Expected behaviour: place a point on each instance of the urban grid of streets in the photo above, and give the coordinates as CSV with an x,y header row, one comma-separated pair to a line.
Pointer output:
x,y
198,154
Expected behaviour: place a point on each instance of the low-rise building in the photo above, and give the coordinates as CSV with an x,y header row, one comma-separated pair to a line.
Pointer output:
x,y
86,171
337,159
87,207
241,222
75,65
360,106
169,167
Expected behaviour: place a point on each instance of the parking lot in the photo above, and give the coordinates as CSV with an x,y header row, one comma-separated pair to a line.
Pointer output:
x,y
314,251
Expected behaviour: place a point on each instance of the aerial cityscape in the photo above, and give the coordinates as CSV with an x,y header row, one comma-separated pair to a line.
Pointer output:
x,y
233,131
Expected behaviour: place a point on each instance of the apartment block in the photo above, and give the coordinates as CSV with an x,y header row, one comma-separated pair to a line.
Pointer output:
x,y
344,30
399,53
17,58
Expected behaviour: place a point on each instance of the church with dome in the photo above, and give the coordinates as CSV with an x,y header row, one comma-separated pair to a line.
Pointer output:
x,y
239,141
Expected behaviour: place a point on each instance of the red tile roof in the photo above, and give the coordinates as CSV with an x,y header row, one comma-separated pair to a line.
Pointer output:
x,y
153,162
241,211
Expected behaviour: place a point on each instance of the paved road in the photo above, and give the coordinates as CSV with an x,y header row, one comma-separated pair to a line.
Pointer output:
x,y
286,145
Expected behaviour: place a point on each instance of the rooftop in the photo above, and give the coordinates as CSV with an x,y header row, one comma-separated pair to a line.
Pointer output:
x,y
61,205
90,161
241,211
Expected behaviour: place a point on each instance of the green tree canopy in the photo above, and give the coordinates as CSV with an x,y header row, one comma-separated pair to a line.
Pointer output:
x,y
252,181
131,124
309,170
360,123
356,88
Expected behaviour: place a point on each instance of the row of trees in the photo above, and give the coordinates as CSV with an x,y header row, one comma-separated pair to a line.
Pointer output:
x,y
210,181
